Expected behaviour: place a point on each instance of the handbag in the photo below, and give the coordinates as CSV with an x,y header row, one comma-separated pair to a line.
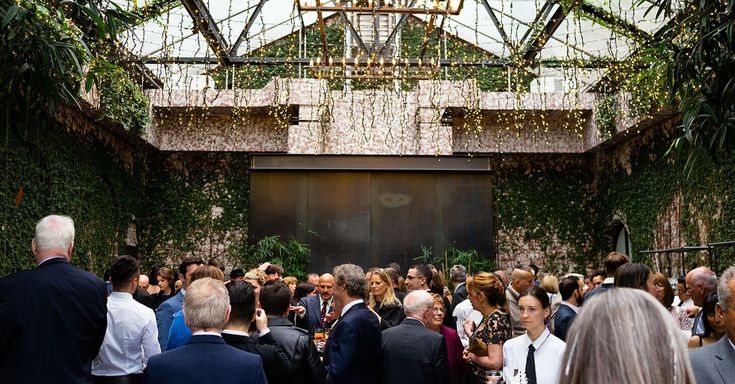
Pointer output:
x,y
478,347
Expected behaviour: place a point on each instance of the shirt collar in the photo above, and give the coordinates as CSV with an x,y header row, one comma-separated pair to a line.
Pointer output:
x,y
329,302
237,333
540,341
121,295
572,306
199,333
52,257
731,344
350,305
609,281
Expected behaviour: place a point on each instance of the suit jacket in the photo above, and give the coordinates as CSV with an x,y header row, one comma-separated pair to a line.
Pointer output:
x,y
563,320
276,364
313,315
714,363
143,297
300,348
413,353
165,315
206,359
460,295
52,323
352,352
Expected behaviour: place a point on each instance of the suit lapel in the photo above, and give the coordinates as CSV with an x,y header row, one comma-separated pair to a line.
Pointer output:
x,y
725,360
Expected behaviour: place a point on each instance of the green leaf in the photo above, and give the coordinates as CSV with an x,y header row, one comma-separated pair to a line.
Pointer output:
x,y
9,15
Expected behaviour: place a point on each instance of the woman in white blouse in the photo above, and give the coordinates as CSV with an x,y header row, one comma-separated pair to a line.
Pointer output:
x,y
534,357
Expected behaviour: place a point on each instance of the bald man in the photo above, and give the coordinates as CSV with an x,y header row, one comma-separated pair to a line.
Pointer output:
x,y
700,282
317,311
521,280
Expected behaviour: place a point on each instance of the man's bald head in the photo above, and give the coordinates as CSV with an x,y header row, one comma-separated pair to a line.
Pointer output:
x,y
326,285
143,282
521,278
700,282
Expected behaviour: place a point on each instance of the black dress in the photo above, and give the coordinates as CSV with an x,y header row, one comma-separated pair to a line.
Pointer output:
x,y
160,297
389,315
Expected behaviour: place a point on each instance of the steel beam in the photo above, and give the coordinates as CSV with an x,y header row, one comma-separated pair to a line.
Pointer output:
x,y
354,33
537,43
398,27
506,40
246,29
206,25
618,25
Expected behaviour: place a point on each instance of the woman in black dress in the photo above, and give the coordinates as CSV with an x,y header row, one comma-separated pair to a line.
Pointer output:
x,y
165,278
383,300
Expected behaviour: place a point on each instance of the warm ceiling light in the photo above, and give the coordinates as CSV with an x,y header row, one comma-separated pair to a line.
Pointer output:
x,y
441,7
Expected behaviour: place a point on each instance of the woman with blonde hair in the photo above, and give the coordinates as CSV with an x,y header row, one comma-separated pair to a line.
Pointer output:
x,y
641,344
485,352
383,300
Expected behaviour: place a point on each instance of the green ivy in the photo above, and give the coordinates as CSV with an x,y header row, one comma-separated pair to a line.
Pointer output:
x,y
606,112
121,99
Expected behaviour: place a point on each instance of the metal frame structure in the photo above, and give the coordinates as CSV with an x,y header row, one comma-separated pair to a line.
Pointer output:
x,y
523,52
709,247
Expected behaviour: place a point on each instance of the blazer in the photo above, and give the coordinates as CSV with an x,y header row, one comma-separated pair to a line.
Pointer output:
x,y
300,348
313,315
389,316
276,364
459,295
714,363
352,352
52,323
165,315
206,359
144,298
563,320
413,353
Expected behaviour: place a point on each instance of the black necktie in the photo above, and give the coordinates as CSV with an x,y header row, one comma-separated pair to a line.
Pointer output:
x,y
531,365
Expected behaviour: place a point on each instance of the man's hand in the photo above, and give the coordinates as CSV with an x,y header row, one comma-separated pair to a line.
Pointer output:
x,y
264,266
261,320
693,311
299,309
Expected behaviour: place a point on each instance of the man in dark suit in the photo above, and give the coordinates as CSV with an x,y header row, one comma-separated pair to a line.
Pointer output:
x,y
52,318
167,309
613,261
458,276
206,358
570,288
715,363
352,352
411,352
277,365
275,299
317,311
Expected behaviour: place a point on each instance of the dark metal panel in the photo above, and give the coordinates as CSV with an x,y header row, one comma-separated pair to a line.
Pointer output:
x,y
372,218
402,217
370,163
339,214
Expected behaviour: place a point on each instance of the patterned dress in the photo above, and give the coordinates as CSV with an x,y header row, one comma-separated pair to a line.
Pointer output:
x,y
495,329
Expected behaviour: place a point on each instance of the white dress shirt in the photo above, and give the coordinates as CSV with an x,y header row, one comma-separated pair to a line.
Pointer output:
x,y
548,358
130,340
464,311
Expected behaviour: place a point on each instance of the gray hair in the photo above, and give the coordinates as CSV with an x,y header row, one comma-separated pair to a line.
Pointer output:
x,y
416,301
654,353
723,288
54,232
352,278
458,273
206,304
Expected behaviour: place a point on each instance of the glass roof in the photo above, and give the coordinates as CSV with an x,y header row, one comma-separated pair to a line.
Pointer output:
x,y
579,36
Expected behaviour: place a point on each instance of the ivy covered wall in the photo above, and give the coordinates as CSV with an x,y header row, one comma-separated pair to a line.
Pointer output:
x,y
197,206
48,168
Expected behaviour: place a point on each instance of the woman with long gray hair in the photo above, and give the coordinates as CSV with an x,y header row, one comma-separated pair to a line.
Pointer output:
x,y
624,335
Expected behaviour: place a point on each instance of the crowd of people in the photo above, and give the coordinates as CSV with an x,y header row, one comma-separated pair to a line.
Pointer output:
x,y
626,324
